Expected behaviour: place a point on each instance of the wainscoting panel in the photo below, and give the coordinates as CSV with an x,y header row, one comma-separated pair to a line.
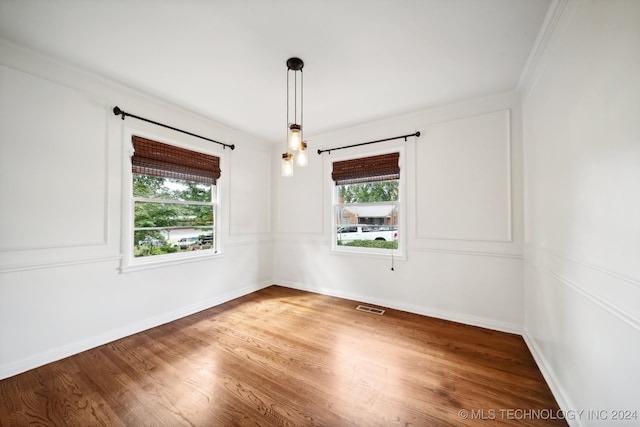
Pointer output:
x,y
463,179
53,164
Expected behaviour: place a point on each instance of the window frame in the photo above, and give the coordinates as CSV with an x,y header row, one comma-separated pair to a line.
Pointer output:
x,y
129,261
396,254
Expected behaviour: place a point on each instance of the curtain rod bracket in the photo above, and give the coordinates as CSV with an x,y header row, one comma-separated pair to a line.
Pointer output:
x,y
119,112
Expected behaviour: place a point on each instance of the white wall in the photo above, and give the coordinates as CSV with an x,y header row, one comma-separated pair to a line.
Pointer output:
x,y
464,223
61,159
462,216
582,183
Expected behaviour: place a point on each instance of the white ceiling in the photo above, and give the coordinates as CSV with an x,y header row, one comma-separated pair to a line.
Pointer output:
x,y
225,59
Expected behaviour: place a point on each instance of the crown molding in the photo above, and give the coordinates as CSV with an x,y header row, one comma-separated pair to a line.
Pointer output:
x,y
559,18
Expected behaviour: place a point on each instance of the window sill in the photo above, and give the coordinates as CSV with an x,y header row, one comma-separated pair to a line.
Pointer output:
x,y
362,252
160,261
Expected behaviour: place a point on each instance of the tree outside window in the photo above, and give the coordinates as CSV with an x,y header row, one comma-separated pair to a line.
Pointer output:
x,y
171,215
173,194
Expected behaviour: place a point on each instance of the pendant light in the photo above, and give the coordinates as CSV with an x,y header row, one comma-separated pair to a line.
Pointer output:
x,y
302,158
294,137
287,164
295,141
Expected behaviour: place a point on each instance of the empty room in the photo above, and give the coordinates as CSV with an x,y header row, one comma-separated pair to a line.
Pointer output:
x,y
320,213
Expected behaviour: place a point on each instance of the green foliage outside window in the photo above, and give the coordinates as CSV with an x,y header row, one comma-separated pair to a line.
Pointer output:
x,y
152,216
380,244
369,192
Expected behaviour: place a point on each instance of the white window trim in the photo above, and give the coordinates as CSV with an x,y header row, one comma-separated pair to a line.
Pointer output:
x,y
398,254
129,262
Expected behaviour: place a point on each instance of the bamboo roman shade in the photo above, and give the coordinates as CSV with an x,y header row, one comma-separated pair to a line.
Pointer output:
x,y
367,169
166,161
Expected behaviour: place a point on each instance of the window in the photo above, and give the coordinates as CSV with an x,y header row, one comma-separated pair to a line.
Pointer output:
x,y
174,200
367,194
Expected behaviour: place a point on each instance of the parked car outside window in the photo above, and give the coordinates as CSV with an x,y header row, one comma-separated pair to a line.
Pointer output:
x,y
185,242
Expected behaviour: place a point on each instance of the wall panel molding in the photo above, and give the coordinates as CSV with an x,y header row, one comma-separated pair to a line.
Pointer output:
x,y
59,263
530,248
463,179
617,294
463,252
68,172
247,181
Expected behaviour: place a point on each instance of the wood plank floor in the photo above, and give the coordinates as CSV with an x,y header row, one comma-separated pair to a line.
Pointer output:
x,y
282,357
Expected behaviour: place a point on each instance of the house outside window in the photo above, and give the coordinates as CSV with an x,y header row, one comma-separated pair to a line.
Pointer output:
x,y
367,204
173,200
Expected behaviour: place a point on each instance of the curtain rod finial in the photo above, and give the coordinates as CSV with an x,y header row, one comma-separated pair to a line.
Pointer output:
x,y
118,112
418,134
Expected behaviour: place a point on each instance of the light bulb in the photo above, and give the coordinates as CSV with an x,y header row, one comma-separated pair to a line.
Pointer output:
x,y
287,164
294,137
302,159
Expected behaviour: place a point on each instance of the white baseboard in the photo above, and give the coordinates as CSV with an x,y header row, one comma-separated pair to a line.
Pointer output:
x,y
15,368
482,322
564,402
11,369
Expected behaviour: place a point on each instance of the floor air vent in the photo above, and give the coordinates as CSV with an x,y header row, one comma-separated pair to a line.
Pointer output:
x,y
370,309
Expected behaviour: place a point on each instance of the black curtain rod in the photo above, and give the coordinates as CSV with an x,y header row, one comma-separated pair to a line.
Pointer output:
x,y
118,112
370,142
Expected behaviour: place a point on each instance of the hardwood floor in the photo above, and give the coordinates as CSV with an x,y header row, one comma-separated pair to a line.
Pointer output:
x,y
282,357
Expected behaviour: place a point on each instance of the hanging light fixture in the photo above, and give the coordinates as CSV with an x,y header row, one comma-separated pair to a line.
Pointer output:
x,y
294,119
294,137
287,164
302,159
